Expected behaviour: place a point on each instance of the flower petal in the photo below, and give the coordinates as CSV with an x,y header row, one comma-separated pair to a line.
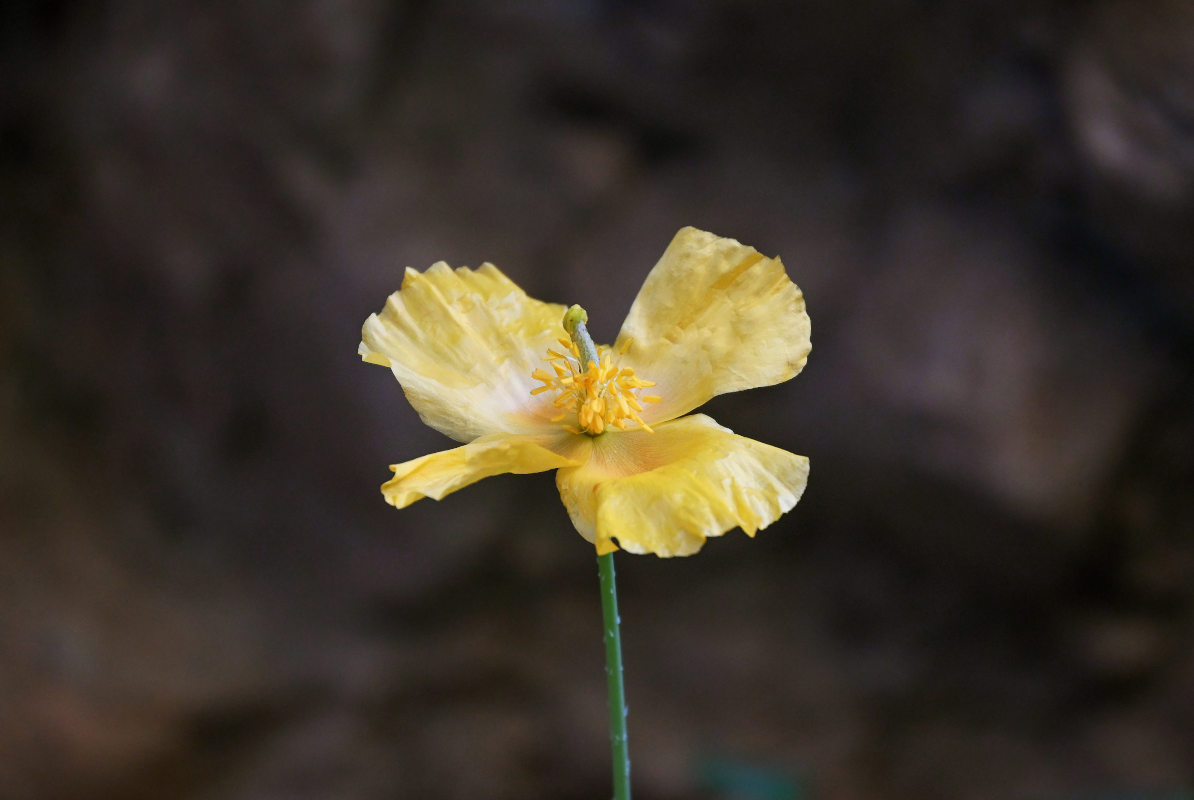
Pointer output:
x,y
714,316
666,492
440,474
463,344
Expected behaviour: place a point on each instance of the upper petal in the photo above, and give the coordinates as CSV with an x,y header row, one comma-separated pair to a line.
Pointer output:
x,y
714,316
440,474
463,344
666,492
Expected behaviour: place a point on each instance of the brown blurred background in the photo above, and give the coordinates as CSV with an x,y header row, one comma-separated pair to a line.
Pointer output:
x,y
986,593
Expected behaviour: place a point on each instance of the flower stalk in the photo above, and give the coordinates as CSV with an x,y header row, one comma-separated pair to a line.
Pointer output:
x,y
616,689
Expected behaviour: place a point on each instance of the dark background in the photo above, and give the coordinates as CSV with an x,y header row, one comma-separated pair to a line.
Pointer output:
x,y
986,593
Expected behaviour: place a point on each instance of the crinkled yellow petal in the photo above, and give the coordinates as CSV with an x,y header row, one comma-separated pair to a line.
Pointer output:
x,y
442,473
463,343
714,316
666,492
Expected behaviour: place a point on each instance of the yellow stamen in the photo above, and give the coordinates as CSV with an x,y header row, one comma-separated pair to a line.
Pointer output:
x,y
598,395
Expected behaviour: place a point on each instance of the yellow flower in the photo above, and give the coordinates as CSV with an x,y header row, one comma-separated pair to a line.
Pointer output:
x,y
485,364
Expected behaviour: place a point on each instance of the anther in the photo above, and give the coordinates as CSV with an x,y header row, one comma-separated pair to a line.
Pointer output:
x,y
588,383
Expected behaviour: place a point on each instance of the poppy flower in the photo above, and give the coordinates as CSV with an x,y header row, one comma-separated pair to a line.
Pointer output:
x,y
485,364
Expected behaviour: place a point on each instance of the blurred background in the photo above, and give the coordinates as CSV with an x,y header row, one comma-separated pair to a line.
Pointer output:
x,y
986,592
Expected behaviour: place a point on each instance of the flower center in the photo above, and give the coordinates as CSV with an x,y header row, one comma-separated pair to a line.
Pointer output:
x,y
600,393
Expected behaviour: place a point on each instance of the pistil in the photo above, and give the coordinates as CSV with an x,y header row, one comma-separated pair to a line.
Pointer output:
x,y
589,385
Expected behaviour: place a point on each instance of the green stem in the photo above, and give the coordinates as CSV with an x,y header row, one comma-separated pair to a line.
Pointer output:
x,y
613,676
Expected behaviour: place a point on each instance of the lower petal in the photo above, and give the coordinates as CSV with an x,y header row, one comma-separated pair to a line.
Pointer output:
x,y
666,492
440,474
